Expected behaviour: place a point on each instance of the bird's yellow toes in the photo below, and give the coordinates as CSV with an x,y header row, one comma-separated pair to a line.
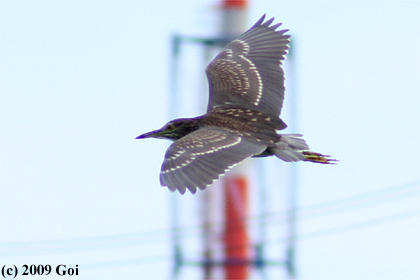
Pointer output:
x,y
319,158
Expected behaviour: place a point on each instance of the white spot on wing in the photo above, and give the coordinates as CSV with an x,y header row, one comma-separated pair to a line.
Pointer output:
x,y
257,74
233,76
217,148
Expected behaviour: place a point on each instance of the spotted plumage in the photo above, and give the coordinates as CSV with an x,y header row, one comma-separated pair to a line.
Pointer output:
x,y
246,92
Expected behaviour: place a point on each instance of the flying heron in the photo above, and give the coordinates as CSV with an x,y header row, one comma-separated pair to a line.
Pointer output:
x,y
246,92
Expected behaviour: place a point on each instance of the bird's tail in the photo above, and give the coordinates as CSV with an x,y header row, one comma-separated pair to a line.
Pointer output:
x,y
293,148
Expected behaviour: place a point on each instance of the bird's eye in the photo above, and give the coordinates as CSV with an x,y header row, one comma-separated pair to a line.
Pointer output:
x,y
170,127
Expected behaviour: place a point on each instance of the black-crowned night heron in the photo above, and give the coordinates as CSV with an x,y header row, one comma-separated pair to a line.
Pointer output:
x,y
246,83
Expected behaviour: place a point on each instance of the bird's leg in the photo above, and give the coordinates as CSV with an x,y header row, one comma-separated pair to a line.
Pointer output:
x,y
319,158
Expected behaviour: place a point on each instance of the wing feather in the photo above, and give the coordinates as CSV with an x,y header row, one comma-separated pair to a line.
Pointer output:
x,y
202,156
248,70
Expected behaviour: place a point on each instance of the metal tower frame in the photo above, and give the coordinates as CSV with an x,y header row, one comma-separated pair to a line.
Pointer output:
x,y
259,261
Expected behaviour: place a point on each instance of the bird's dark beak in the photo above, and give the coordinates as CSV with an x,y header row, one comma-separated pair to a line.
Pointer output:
x,y
151,134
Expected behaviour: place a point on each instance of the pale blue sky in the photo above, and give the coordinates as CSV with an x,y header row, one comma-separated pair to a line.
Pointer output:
x,y
80,79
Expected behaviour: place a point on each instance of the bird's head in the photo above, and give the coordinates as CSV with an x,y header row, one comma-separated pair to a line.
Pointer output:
x,y
173,130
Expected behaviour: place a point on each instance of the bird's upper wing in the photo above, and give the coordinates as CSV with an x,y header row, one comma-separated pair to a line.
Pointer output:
x,y
202,156
248,70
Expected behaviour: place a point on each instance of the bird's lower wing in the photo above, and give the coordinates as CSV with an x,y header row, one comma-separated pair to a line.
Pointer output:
x,y
201,157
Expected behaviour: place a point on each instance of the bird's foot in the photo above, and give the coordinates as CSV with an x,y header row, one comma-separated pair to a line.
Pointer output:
x,y
319,158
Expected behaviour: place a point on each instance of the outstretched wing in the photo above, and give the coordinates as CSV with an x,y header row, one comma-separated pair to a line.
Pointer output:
x,y
248,70
202,156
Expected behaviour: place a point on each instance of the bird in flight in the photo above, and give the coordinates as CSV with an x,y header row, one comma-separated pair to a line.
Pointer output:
x,y
246,92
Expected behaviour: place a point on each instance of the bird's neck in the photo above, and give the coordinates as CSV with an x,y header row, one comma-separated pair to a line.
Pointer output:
x,y
189,125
